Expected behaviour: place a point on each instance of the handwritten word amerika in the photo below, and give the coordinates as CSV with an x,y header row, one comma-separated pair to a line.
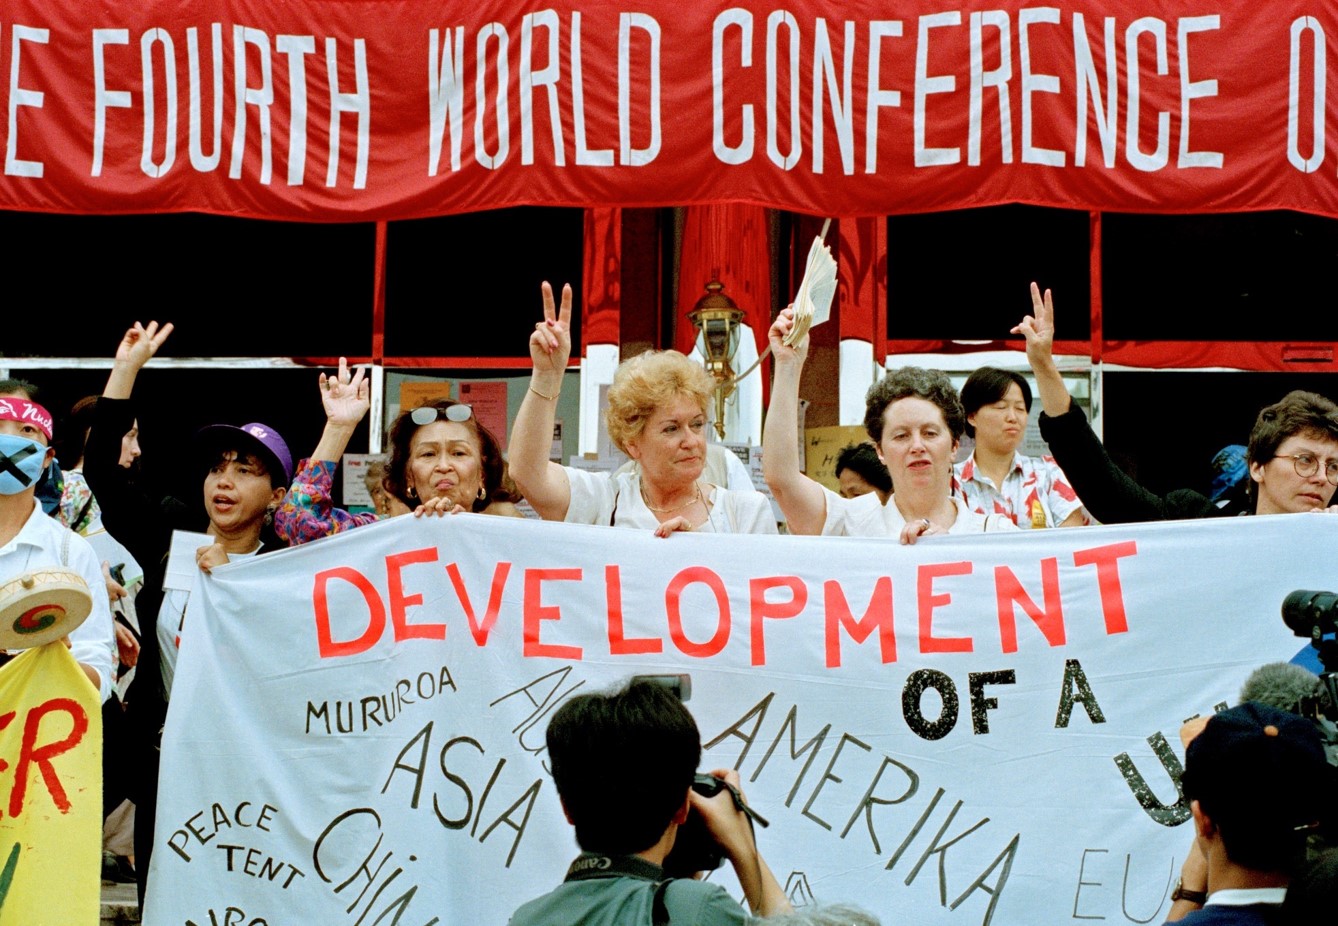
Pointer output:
x,y
703,595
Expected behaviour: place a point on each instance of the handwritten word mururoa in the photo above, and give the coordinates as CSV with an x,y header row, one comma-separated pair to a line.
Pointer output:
x,y
352,615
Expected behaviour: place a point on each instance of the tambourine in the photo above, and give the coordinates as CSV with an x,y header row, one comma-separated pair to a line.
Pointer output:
x,y
41,606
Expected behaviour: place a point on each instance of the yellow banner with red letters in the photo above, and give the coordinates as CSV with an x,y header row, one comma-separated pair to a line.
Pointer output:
x,y
50,790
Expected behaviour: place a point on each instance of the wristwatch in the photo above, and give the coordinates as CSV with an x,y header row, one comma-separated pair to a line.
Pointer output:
x,y
1182,893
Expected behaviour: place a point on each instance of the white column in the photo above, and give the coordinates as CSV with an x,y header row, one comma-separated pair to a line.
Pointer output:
x,y
597,368
377,394
858,372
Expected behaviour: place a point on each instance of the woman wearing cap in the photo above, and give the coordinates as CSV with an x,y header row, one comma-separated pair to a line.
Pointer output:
x,y
915,421
442,461
248,470
657,416
996,479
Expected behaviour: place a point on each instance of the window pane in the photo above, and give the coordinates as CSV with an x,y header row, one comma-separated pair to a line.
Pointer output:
x,y
1265,276
233,287
964,275
468,285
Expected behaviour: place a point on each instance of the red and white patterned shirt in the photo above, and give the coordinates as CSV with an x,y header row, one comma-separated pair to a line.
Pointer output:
x,y
1035,493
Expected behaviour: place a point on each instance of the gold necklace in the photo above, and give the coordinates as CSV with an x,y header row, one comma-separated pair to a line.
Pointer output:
x,y
692,501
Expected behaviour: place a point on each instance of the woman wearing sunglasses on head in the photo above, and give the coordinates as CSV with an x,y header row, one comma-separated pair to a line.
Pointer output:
x,y
442,461
657,416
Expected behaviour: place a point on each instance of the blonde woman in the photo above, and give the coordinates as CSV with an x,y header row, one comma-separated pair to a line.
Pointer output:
x,y
657,416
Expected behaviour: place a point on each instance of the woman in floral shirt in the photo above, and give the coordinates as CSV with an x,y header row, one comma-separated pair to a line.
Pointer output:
x,y
996,479
441,461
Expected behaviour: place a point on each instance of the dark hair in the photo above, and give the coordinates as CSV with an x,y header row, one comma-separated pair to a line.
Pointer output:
x,y
216,451
862,458
1298,412
402,431
623,763
988,385
913,382
73,436
1260,775
19,387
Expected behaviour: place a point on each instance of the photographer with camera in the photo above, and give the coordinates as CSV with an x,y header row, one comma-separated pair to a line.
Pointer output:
x,y
1258,783
624,765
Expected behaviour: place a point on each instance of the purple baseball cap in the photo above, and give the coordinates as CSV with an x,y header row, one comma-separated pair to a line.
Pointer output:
x,y
255,436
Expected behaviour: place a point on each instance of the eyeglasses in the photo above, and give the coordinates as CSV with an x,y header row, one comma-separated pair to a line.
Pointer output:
x,y
429,413
1307,464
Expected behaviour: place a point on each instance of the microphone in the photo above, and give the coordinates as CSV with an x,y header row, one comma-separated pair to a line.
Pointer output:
x,y
1290,688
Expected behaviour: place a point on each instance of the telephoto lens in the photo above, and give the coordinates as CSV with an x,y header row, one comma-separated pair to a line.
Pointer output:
x,y
1310,613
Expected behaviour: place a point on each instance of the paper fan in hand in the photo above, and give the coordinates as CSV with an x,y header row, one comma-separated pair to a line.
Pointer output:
x,y
813,301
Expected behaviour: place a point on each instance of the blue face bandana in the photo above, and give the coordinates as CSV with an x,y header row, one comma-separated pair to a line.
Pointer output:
x,y
22,460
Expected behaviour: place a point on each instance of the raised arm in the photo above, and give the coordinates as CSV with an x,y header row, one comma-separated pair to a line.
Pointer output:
x,y
1039,330
346,400
136,349
734,833
308,511
1106,490
801,499
138,518
543,483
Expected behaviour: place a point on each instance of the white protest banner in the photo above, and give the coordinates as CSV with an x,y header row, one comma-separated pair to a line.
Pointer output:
x,y
972,730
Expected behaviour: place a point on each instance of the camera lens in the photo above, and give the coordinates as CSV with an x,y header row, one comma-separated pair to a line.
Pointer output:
x,y
1310,613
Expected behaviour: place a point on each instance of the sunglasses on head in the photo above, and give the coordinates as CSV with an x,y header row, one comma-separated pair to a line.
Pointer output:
x,y
429,413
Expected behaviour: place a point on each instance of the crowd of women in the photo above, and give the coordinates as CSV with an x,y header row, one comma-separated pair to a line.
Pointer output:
x,y
904,483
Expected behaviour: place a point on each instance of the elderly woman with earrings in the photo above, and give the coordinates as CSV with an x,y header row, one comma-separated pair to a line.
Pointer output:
x,y
915,421
657,416
441,461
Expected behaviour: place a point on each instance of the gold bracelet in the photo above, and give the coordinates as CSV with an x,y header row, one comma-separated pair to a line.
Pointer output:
x,y
551,398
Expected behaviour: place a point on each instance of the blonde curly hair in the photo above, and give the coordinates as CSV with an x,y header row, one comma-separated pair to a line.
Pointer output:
x,y
648,381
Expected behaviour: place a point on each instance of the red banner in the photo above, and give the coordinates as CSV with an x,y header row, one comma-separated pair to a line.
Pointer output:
x,y
360,109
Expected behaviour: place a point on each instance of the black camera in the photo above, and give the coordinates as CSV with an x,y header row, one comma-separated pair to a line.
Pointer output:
x,y
1315,615
1311,614
694,848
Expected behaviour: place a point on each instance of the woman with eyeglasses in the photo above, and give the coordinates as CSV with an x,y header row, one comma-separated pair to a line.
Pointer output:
x,y
657,416
1292,453
442,461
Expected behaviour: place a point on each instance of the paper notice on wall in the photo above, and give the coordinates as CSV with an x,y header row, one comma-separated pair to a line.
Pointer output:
x,y
488,400
555,450
423,392
356,466
823,445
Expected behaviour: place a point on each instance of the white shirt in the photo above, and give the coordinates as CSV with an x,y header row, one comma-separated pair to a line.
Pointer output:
x,y
866,516
171,621
38,546
616,500
1246,896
